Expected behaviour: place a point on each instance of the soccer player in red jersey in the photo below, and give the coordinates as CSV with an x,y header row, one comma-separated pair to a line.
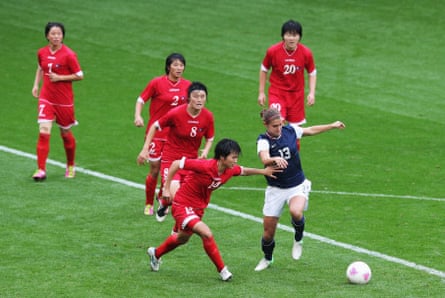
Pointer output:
x,y
287,61
164,93
188,125
58,67
204,176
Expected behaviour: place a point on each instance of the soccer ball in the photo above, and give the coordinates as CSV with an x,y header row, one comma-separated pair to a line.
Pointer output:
x,y
358,273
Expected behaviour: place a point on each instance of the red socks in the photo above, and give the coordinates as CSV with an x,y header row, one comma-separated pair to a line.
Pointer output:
x,y
209,245
42,150
69,142
168,245
150,189
213,252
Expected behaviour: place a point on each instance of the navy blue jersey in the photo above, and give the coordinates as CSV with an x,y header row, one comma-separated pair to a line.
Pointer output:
x,y
285,146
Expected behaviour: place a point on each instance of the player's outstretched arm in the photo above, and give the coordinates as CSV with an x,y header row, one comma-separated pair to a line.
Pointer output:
x,y
317,129
268,171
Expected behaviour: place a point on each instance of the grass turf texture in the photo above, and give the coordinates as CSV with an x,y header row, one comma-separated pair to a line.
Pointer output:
x,y
379,67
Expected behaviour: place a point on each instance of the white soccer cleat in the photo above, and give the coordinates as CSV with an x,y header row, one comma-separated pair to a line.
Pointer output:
x,y
297,249
154,262
263,264
225,274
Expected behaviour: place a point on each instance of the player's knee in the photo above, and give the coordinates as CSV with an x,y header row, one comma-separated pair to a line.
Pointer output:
x,y
45,129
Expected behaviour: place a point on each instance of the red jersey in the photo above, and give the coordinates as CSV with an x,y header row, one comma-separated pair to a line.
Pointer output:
x,y
185,132
288,67
63,62
165,95
202,180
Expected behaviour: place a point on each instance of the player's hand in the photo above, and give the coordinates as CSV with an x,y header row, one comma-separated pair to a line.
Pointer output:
x,y
203,155
166,194
53,77
310,99
139,121
35,91
280,163
261,99
167,198
270,171
142,157
338,124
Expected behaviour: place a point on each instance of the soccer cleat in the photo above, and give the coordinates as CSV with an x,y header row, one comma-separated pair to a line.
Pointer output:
x,y
225,274
161,213
70,172
39,175
154,262
148,210
263,264
297,249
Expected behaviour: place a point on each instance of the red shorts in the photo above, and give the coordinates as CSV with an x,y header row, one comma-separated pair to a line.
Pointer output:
x,y
155,149
62,114
186,217
289,103
165,166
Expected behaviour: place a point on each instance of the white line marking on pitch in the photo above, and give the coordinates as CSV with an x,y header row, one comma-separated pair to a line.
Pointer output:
x,y
388,258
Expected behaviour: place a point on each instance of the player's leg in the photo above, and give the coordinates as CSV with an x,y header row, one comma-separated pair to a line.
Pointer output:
x,y
66,120
163,208
151,181
161,212
42,150
211,248
46,117
296,208
69,144
297,205
180,214
267,242
274,202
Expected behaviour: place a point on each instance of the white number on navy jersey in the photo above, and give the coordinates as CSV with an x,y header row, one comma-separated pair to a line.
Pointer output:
x,y
285,153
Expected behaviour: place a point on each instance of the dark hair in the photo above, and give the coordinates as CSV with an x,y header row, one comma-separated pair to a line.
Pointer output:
x,y
54,24
225,147
172,57
270,115
292,27
196,86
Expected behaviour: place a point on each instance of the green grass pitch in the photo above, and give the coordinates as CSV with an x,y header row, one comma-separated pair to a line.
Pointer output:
x,y
378,185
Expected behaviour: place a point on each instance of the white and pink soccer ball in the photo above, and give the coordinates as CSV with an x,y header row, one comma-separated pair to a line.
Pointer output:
x,y
358,273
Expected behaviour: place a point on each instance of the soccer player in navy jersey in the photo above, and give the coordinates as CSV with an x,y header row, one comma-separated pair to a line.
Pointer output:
x,y
192,198
278,147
